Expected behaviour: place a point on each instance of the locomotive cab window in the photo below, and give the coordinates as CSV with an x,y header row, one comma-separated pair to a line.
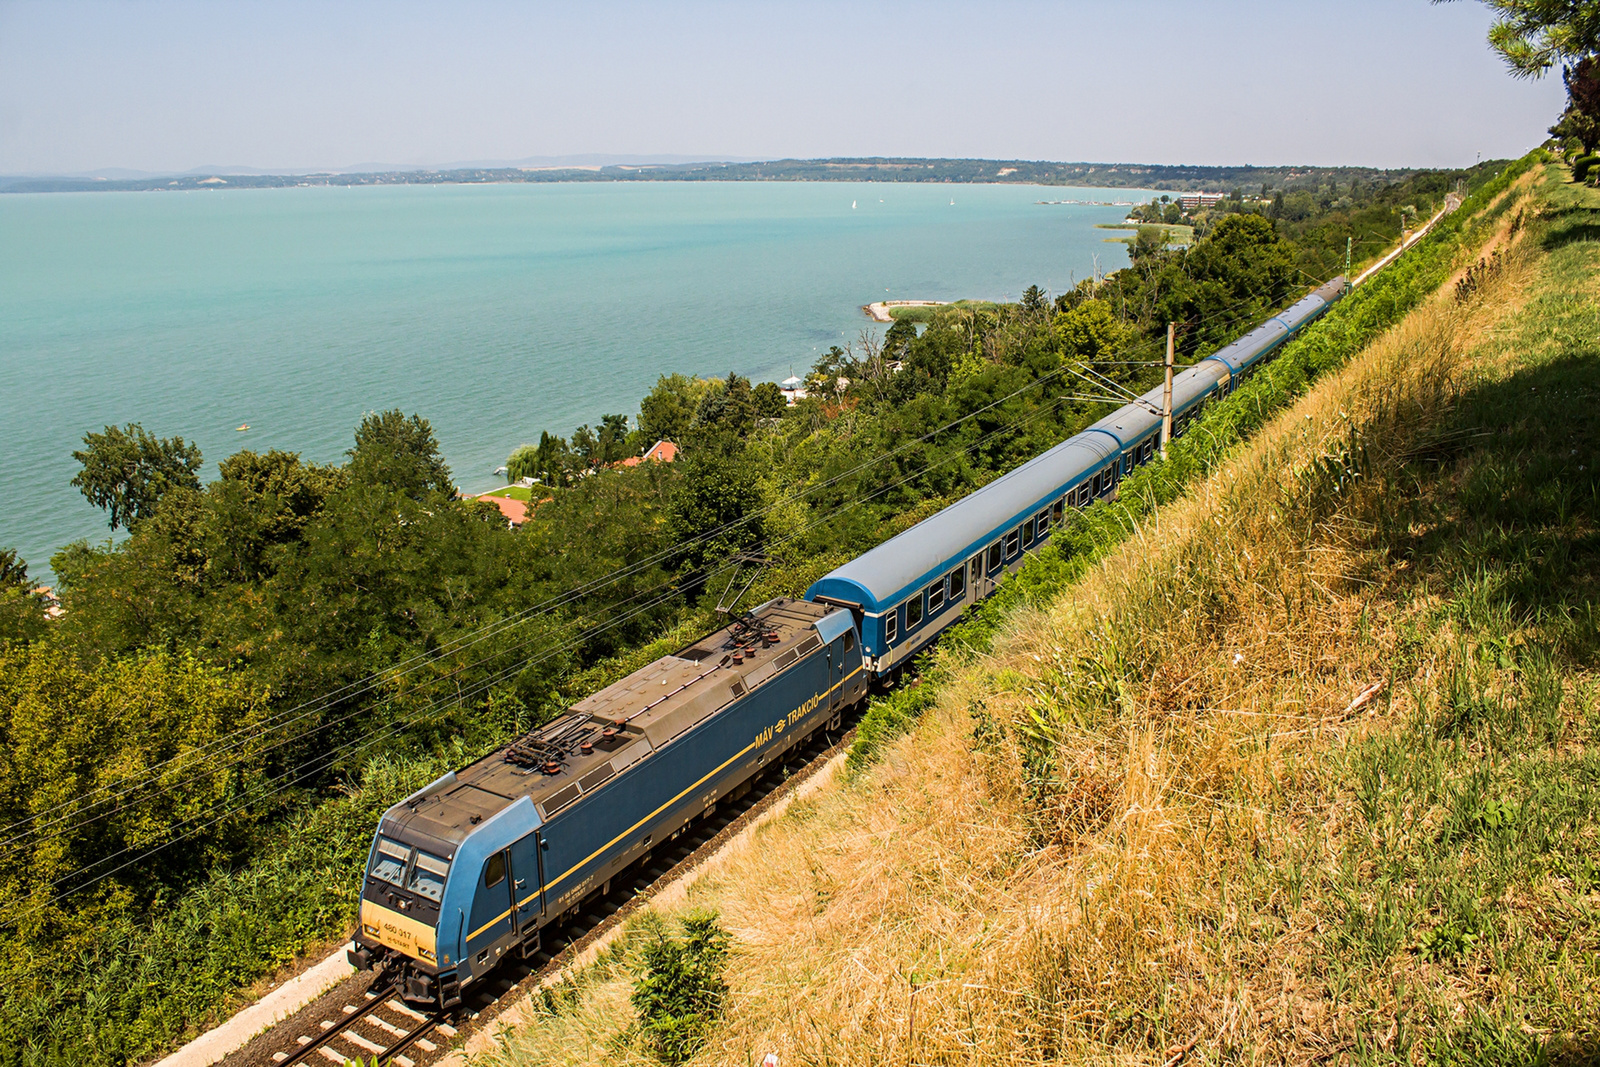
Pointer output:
x,y
389,864
849,640
891,625
935,597
494,872
913,611
427,876
958,583
994,556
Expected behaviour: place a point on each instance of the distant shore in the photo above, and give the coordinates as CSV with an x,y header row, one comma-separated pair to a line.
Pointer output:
x,y
881,310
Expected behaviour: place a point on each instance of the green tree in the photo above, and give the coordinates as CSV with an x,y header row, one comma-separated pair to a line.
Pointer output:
x,y
684,988
1535,35
1034,300
21,613
667,411
399,452
768,401
1090,333
717,498
127,470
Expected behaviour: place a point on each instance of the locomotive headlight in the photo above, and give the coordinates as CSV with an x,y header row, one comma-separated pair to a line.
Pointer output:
x,y
369,929
425,953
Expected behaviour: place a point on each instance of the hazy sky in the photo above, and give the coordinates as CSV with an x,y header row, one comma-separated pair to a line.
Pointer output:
x,y
163,85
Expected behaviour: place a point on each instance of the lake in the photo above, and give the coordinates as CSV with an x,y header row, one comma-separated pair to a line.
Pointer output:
x,y
495,311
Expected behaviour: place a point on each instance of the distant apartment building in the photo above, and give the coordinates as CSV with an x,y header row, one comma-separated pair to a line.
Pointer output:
x,y
1200,201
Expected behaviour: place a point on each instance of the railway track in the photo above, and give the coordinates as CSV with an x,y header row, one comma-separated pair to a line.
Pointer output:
x,y
379,1026
363,1020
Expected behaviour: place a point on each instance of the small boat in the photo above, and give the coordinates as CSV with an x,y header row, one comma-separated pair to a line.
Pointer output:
x,y
852,205
245,427
952,201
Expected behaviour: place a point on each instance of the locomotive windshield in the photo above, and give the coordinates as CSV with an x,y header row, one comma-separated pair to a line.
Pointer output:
x,y
390,862
427,876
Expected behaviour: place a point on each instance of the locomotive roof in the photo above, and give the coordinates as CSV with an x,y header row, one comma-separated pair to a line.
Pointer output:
x,y
621,724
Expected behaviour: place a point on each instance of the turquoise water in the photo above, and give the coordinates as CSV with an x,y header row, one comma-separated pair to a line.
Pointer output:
x,y
494,311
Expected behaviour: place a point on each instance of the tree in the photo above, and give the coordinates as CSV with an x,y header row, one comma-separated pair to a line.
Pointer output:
x,y
1535,35
716,493
127,470
1034,300
768,400
399,452
667,412
13,570
1090,333
21,613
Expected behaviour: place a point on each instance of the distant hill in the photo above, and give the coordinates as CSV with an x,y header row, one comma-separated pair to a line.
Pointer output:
x,y
874,168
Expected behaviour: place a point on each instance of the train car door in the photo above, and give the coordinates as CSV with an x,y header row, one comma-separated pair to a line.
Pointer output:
x,y
979,585
491,915
835,673
527,880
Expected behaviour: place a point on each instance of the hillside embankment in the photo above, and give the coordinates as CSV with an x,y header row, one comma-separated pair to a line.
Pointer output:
x,y
1303,770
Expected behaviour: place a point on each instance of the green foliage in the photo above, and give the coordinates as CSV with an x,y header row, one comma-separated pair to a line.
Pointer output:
x,y
1582,165
399,453
1534,35
127,470
683,990
768,400
283,581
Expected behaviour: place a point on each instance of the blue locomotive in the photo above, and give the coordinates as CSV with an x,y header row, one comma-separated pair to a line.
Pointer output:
x,y
474,866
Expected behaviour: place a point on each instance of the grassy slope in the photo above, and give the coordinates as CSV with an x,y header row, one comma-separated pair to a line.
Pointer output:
x,y
1152,826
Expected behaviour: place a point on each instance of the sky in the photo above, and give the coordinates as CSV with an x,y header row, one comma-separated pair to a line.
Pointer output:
x,y
168,86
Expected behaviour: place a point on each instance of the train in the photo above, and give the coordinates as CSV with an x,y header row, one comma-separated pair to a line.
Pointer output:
x,y
475,866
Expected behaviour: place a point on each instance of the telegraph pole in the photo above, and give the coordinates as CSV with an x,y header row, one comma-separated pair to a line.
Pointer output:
x,y
1166,398
1349,246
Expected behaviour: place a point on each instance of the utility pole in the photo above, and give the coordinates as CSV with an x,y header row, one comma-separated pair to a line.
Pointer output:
x,y
1349,246
1166,398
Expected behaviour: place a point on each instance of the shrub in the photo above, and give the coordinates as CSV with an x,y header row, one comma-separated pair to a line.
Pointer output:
x,y
1582,165
683,990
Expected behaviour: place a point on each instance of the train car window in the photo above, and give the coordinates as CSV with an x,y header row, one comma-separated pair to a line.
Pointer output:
x,y
958,583
891,625
1013,542
1027,532
390,864
427,876
1041,521
935,597
494,872
913,611
1127,463
977,568
1057,510
849,640
994,555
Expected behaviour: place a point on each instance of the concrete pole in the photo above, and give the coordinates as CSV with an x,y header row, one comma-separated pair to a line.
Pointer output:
x,y
1166,398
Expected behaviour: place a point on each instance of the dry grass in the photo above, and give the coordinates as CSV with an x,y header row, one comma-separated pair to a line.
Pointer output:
x,y
1143,830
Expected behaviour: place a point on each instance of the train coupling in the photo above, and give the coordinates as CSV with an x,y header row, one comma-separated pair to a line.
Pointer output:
x,y
362,958
443,991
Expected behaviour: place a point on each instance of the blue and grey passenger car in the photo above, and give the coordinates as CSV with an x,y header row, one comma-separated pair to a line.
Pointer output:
x,y
906,590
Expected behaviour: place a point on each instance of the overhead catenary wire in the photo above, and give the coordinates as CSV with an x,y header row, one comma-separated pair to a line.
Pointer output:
x,y
327,760
203,755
